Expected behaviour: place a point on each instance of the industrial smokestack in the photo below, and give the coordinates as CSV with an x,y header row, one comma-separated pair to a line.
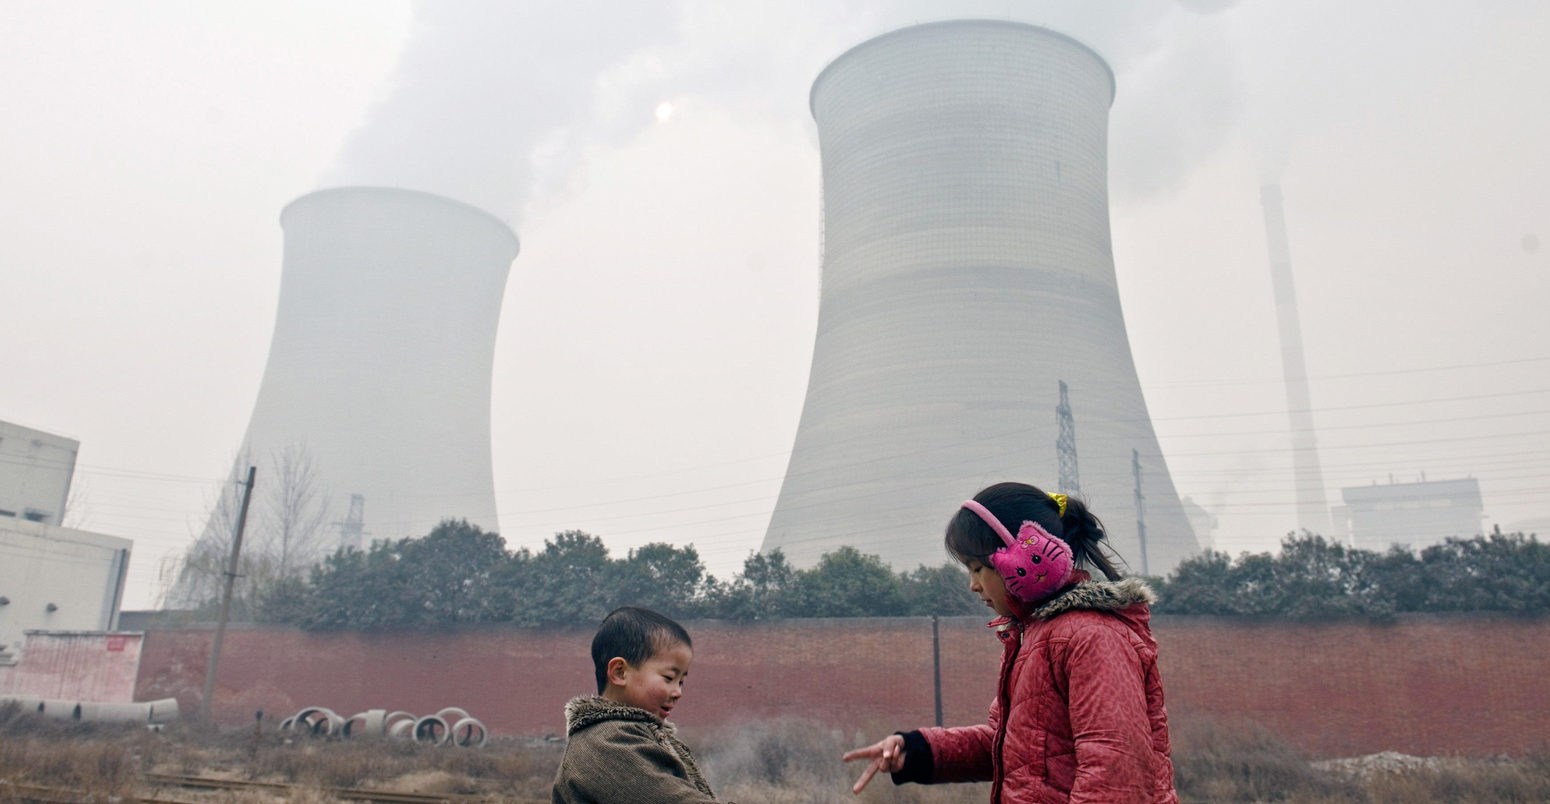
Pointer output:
x,y
381,359
1312,510
967,269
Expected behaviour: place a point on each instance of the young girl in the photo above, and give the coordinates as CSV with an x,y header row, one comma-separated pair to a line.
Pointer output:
x,y
1078,714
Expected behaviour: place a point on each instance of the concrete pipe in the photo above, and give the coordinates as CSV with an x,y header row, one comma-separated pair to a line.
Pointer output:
x,y
401,729
431,729
395,716
317,720
292,723
95,712
370,723
165,710
452,714
59,710
469,732
25,703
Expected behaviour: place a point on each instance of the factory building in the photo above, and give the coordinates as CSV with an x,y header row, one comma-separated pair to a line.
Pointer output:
x,y
58,579
1414,514
35,472
967,273
51,578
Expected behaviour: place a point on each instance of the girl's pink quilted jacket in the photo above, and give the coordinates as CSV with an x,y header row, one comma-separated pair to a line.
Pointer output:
x,y
1078,715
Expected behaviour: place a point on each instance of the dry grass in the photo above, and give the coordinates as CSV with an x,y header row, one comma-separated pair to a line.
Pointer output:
x,y
776,761
796,761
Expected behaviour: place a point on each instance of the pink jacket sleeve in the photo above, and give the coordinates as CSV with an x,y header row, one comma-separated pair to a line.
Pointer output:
x,y
963,754
1109,722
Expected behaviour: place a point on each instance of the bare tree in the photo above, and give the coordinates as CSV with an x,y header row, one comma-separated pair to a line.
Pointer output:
x,y
295,512
288,532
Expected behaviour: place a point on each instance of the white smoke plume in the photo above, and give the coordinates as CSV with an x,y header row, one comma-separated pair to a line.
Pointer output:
x,y
493,102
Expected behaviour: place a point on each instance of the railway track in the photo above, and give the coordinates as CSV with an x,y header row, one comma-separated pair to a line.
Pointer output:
x,y
41,794
346,793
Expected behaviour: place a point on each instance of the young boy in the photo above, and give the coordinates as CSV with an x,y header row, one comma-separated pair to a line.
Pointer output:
x,y
620,747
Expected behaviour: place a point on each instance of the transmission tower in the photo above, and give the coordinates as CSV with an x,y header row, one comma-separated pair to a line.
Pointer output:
x,y
353,529
1065,446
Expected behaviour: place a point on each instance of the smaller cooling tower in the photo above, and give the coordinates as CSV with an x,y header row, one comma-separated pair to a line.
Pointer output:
x,y
382,354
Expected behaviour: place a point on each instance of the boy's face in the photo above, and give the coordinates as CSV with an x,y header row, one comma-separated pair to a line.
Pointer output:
x,y
655,685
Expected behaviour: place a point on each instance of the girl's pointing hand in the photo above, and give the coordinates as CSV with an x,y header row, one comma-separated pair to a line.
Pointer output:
x,y
886,754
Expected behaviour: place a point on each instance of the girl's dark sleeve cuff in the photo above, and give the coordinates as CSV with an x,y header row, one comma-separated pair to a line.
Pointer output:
x,y
917,759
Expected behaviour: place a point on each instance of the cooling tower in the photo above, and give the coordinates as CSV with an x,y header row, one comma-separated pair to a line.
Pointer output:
x,y
381,360
967,271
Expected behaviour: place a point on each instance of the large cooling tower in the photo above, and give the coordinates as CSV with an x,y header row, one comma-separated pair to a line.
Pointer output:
x,y
381,359
967,270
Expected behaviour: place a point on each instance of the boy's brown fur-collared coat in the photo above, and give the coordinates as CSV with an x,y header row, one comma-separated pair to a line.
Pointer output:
x,y
618,753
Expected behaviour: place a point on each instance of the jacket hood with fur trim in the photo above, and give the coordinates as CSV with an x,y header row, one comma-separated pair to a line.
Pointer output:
x,y
1110,596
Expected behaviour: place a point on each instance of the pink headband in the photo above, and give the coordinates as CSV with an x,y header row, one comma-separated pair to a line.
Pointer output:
x,y
995,524
1033,566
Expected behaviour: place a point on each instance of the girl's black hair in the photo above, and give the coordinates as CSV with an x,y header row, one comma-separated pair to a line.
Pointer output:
x,y
968,537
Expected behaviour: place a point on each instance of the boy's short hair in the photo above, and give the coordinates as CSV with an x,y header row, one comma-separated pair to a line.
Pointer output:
x,y
635,635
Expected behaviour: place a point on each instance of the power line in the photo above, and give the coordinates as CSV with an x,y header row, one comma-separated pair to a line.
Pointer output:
x,y
1356,374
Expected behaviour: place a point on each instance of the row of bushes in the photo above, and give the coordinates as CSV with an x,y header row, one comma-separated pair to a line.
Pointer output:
x,y
1315,578
461,574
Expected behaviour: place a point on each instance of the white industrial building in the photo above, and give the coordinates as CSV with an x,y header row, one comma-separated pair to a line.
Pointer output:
x,y
967,271
52,578
35,472
58,579
1416,515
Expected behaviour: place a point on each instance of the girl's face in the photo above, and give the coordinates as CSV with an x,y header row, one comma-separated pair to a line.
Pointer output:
x,y
988,584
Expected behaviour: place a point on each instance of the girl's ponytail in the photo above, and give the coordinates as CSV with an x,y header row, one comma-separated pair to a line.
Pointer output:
x,y
1085,534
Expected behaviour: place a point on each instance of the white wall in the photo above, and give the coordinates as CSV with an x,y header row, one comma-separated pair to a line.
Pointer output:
x,y
35,470
80,573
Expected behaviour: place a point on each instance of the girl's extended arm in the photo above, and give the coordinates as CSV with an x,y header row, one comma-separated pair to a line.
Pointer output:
x,y
933,755
1109,722
961,754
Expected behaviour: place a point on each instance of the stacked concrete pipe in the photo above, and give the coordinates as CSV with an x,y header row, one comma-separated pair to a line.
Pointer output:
x,y
450,726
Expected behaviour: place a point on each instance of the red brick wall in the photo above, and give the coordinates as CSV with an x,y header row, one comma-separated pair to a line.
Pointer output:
x,y
1426,685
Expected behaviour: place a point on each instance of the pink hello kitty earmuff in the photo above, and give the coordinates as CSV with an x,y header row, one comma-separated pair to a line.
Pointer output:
x,y
1034,565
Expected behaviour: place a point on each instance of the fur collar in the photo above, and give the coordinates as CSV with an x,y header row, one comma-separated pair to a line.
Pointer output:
x,y
1092,595
590,710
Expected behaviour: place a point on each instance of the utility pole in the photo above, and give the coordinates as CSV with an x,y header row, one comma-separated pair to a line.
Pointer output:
x,y
220,624
1135,467
1065,446
936,665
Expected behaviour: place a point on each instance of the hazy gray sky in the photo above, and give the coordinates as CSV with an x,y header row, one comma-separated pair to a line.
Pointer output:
x,y
659,165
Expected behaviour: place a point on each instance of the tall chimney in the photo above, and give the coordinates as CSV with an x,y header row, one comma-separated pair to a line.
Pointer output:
x,y
1312,509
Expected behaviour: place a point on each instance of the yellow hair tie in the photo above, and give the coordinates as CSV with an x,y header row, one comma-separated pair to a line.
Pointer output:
x,y
1060,500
